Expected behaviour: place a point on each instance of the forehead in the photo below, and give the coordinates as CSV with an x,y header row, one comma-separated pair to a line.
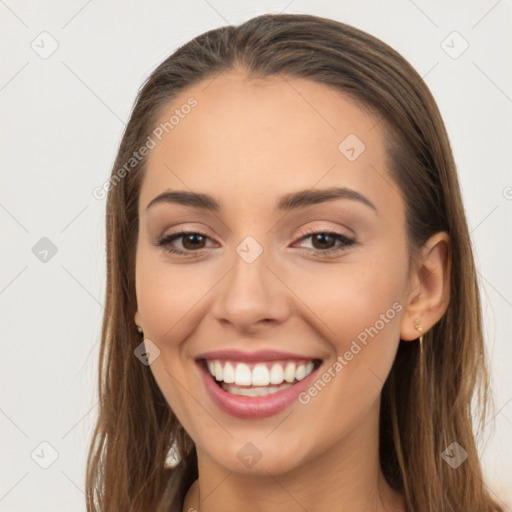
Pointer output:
x,y
264,137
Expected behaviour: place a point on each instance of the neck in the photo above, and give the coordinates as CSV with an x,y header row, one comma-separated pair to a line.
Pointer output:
x,y
346,476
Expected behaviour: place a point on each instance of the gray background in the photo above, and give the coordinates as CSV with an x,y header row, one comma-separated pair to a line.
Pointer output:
x,y
62,119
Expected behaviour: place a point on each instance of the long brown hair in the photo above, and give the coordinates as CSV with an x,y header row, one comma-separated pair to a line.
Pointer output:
x,y
420,417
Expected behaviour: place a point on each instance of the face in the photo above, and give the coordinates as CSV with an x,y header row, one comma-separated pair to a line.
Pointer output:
x,y
295,297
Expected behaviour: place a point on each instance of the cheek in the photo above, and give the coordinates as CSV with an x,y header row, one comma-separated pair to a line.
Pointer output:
x,y
357,308
168,296
346,299
169,300
358,313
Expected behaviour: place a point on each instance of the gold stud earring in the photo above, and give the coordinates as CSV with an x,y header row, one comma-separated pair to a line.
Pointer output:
x,y
139,328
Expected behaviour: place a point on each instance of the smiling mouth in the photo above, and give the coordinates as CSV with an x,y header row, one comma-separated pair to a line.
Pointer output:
x,y
258,379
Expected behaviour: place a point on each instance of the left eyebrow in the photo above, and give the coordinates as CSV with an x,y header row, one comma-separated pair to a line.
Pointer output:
x,y
305,198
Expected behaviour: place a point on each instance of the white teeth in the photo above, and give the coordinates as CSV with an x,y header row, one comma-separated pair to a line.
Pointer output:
x,y
229,373
242,375
257,391
276,374
218,370
289,372
261,375
300,372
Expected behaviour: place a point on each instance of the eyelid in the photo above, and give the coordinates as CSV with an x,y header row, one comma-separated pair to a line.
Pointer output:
x,y
324,229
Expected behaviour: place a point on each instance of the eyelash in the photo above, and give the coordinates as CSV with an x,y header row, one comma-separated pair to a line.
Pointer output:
x,y
345,241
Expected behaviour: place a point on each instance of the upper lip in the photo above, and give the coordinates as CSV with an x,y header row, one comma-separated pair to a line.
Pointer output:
x,y
259,355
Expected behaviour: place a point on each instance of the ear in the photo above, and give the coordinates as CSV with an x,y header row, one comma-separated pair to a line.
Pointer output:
x,y
429,287
137,318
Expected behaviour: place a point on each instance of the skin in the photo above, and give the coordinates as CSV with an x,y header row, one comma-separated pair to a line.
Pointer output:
x,y
248,142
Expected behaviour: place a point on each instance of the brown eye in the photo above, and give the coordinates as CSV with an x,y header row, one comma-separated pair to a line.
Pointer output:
x,y
191,242
323,241
328,242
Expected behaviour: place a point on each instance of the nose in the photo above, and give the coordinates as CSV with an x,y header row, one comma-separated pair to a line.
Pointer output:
x,y
251,297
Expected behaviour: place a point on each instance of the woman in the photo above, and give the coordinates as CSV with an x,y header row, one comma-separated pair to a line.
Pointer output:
x,y
292,305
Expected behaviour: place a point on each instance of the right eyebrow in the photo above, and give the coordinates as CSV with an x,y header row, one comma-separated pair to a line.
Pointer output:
x,y
185,198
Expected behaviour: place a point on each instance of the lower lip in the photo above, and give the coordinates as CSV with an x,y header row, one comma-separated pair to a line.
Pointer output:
x,y
247,407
